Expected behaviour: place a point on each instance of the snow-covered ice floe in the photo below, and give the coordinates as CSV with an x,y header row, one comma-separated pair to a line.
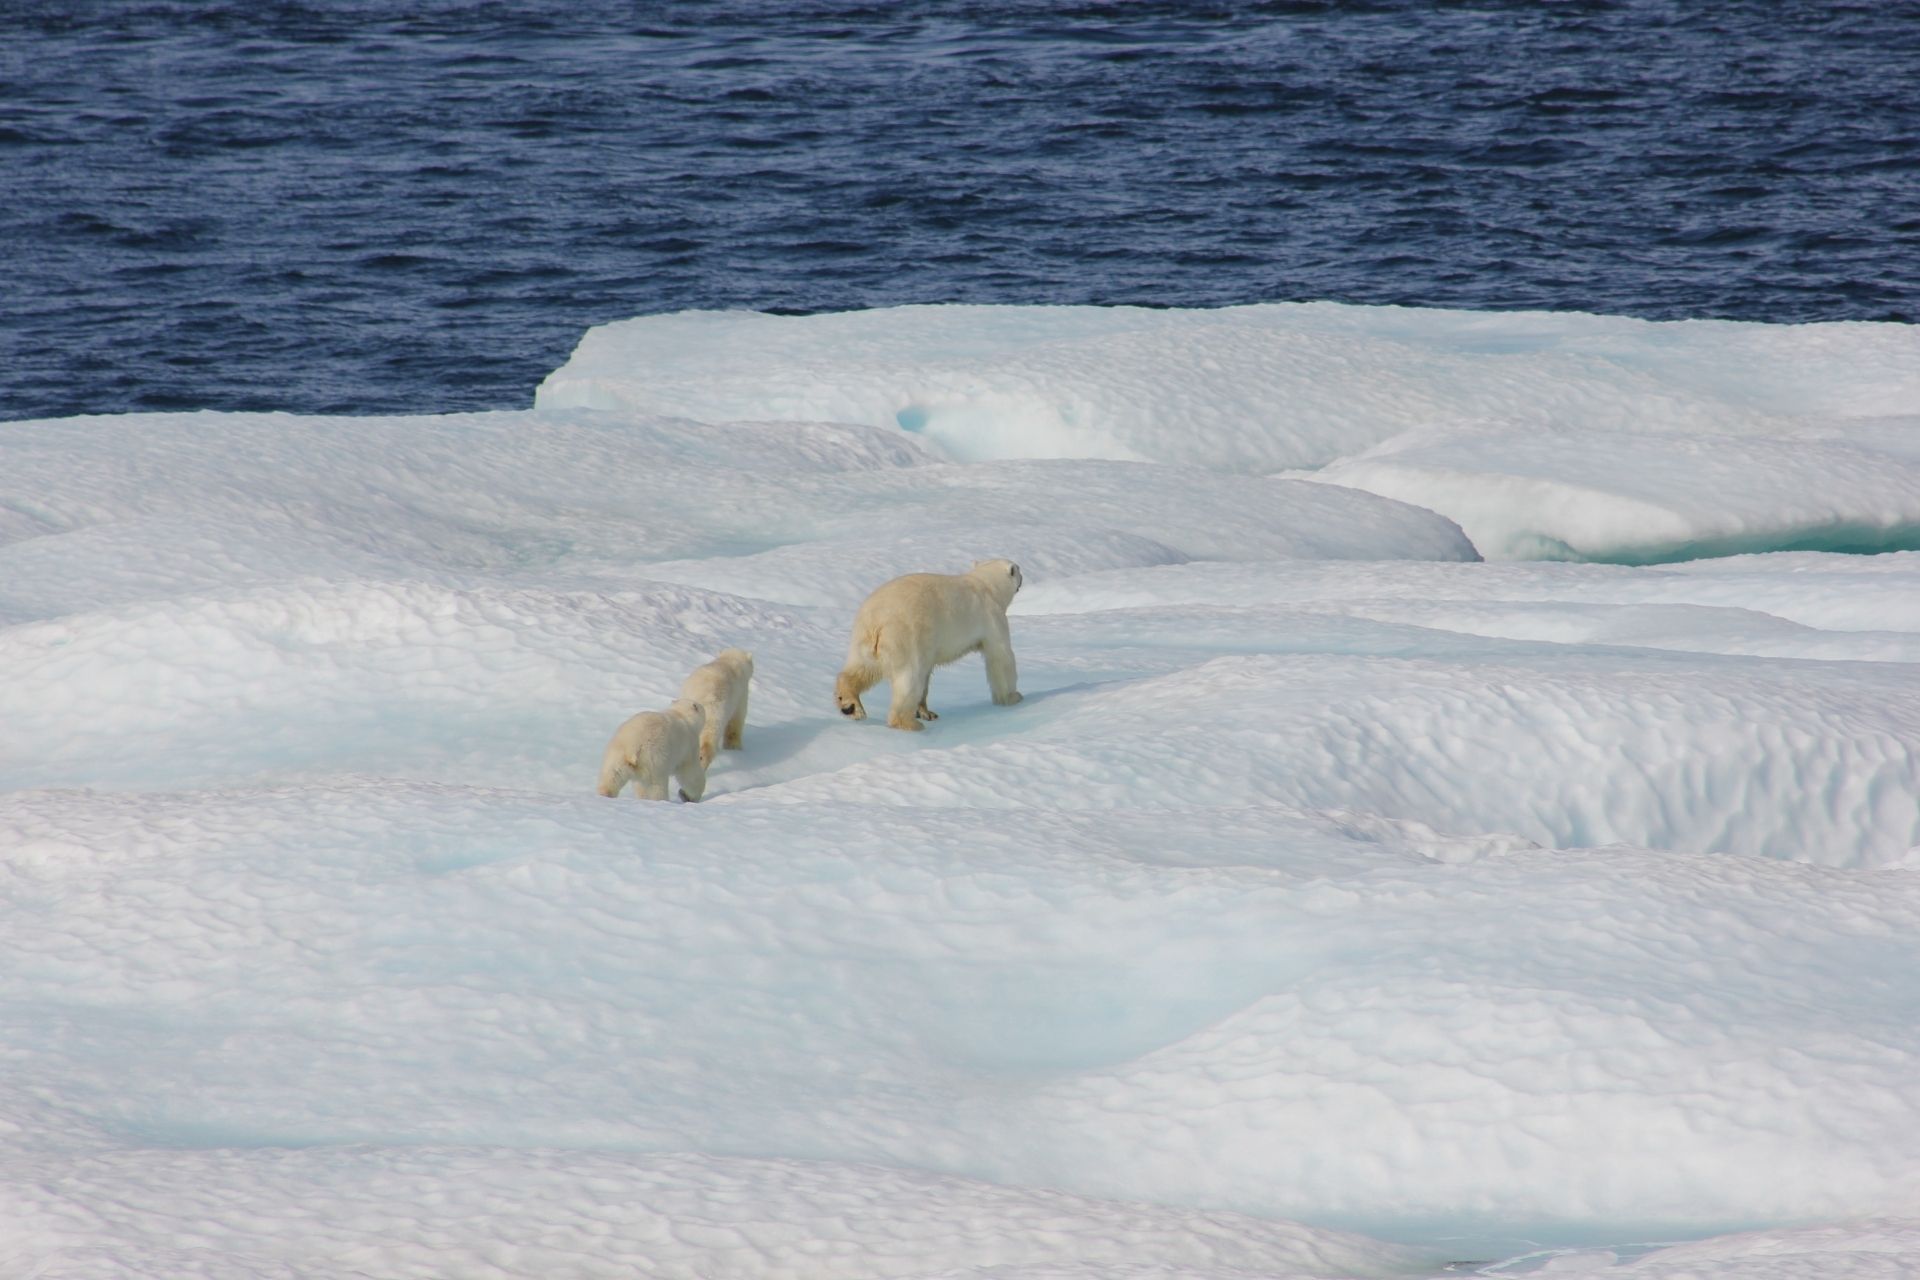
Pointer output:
x,y
1337,903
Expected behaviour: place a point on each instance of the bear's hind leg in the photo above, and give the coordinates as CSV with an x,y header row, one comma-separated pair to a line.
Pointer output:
x,y
854,679
909,695
613,779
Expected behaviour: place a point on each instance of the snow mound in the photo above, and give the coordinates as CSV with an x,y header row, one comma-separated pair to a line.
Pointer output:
x,y
103,511
1569,493
1762,760
1783,604
1885,1249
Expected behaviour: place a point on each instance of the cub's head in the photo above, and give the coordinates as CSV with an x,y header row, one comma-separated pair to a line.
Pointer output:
x,y
1001,576
688,709
739,659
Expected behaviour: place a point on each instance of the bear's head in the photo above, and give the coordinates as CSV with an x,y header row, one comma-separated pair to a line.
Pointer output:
x,y
690,711
1001,576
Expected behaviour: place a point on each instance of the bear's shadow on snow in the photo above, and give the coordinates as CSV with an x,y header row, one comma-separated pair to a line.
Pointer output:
x,y
981,719
980,711
767,747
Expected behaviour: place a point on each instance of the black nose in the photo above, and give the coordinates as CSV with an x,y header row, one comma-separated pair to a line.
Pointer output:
x,y
846,711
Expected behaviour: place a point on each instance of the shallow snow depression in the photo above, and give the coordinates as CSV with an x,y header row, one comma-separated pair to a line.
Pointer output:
x,y
1336,903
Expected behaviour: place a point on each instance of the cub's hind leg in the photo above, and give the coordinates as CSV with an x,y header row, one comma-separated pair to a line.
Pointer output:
x,y
736,725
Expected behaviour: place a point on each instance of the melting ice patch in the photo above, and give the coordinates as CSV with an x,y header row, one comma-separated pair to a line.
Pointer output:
x,y
1336,903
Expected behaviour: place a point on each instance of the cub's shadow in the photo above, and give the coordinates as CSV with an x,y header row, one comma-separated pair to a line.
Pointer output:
x,y
765,746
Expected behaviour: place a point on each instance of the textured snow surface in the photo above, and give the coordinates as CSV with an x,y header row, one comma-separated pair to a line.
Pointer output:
x,y
1335,904
434,1211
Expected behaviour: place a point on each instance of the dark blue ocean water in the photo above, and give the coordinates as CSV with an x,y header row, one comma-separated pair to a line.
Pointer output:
x,y
378,205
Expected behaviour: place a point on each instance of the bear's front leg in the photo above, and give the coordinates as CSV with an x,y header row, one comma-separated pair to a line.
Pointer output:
x,y
1002,674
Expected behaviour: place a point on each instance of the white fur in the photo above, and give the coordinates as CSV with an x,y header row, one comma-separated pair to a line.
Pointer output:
x,y
913,624
652,745
721,687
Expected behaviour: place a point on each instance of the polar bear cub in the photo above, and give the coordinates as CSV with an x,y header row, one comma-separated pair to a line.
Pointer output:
x,y
721,687
915,623
652,745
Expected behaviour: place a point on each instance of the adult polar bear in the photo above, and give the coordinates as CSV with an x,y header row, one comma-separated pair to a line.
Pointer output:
x,y
915,623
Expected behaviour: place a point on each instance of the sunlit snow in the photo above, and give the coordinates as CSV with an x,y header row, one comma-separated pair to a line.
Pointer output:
x,y
1337,903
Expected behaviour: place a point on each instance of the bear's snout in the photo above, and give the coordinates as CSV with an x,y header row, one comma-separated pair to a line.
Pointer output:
x,y
846,711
